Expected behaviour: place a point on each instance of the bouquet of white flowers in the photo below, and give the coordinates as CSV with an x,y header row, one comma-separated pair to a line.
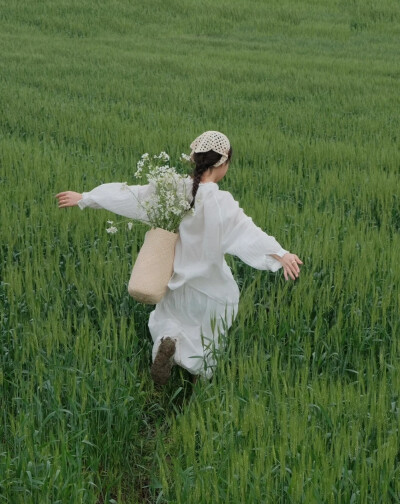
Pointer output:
x,y
168,203
165,208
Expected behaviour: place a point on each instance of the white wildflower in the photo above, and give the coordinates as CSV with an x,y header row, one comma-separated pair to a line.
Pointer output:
x,y
139,170
163,155
130,225
168,202
185,205
110,222
112,230
185,157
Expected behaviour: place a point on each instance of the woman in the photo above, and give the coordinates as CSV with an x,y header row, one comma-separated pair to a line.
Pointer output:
x,y
189,323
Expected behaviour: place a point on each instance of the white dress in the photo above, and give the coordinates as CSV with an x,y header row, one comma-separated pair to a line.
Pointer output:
x,y
202,299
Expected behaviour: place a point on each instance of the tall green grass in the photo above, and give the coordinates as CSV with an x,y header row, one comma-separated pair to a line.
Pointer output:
x,y
304,405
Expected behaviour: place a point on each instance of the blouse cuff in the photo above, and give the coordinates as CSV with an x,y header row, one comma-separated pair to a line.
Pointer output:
x,y
86,201
272,263
81,202
282,252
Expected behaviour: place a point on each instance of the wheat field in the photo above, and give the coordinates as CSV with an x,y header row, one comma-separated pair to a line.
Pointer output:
x,y
304,405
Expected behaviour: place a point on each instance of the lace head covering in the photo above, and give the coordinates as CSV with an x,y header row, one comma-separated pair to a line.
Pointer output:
x,y
212,140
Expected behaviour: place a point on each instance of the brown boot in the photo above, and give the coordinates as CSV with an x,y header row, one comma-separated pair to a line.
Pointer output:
x,y
162,365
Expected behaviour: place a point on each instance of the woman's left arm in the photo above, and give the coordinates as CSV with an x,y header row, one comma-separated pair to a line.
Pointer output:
x,y
242,238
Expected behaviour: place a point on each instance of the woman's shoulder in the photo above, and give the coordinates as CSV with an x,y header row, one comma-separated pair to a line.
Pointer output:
x,y
225,197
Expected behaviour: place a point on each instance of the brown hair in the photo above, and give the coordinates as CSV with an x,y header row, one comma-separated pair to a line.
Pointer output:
x,y
203,162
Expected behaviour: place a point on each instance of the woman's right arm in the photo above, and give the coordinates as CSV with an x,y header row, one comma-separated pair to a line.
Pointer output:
x,y
116,197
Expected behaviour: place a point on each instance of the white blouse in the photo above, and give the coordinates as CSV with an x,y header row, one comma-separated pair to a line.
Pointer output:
x,y
218,226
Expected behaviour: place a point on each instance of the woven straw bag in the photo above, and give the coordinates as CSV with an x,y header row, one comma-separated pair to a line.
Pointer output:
x,y
153,267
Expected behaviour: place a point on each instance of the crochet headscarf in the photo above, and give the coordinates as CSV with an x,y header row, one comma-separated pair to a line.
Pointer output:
x,y
212,140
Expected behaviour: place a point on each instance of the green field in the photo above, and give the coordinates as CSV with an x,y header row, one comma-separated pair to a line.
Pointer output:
x,y
305,404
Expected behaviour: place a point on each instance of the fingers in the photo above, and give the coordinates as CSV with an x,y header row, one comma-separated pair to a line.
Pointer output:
x,y
63,200
291,267
287,272
295,268
68,199
299,261
292,273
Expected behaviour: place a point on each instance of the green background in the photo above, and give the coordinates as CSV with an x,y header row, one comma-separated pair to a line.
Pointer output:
x,y
304,406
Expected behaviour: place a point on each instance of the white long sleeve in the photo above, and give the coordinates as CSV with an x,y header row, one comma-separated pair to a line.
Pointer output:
x,y
242,238
217,227
118,198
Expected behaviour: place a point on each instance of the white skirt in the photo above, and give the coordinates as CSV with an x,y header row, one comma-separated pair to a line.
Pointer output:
x,y
197,323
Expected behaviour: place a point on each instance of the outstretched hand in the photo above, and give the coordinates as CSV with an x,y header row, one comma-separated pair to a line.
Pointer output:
x,y
68,199
290,263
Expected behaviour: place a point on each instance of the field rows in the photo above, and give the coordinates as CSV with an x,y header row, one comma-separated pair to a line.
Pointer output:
x,y
304,405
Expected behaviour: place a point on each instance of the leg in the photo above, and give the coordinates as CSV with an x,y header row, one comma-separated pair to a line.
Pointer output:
x,y
196,322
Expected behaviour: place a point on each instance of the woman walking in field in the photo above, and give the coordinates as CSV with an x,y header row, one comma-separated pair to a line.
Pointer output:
x,y
202,297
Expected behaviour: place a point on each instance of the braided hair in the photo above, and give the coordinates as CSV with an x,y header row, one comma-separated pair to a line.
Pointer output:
x,y
203,162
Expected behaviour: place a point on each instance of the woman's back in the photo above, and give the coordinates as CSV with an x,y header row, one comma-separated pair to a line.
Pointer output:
x,y
199,255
